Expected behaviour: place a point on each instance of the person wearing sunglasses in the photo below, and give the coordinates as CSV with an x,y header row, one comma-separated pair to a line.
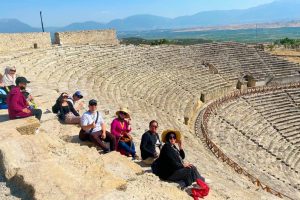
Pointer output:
x,y
9,77
150,140
121,128
65,110
170,165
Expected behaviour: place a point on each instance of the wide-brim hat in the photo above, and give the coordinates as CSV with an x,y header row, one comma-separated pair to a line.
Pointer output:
x,y
165,132
124,110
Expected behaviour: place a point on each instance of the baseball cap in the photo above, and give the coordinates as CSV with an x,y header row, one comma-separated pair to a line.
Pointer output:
x,y
79,94
21,79
92,102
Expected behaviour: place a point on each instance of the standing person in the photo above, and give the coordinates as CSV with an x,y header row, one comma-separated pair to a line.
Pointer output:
x,y
170,165
75,99
17,105
9,78
150,140
65,110
93,124
121,128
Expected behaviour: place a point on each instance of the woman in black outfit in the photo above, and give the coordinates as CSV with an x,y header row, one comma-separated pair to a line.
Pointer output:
x,y
65,110
170,166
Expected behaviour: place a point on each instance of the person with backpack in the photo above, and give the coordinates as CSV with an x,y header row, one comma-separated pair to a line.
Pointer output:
x,y
150,140
93,128
65,110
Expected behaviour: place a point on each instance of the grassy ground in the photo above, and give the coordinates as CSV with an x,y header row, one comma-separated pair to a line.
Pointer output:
x,y
289,54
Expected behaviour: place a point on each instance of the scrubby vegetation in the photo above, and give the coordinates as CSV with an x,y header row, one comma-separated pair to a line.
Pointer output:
x,y
288,43
137,41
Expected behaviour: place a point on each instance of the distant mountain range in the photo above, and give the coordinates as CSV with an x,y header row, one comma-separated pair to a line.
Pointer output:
x,y
277,11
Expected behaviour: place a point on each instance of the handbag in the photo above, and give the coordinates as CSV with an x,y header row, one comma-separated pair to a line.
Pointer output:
x,y
83,136
125,138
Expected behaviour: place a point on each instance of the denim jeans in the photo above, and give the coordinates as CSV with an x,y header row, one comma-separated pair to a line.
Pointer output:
x,y
128,147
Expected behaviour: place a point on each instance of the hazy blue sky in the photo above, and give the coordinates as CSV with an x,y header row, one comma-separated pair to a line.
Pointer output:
x,y
63,12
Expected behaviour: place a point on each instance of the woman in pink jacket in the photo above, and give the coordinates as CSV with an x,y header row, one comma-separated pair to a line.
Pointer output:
x,y
120,128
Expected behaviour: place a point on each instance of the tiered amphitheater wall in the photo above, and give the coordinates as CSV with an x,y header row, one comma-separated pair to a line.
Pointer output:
x,y
285,80
19,41
99,37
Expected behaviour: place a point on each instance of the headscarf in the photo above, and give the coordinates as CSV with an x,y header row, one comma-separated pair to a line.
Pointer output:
x,y
9,80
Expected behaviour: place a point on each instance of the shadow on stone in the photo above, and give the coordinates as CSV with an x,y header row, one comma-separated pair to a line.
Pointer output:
x,y
20,189
142,164
4,117
17,186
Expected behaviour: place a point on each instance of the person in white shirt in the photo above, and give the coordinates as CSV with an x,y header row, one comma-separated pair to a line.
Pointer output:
x,y
93,125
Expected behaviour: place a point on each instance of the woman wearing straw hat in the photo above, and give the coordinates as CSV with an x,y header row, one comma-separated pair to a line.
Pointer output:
x,y
120,128
169,165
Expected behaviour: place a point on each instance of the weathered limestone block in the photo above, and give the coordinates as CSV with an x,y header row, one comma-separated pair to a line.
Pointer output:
x,y
25,126
121,166
52,169
148,186
18,41
241,85
191,109
99,37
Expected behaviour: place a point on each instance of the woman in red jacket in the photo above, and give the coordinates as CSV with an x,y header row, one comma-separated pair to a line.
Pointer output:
x,y
17,105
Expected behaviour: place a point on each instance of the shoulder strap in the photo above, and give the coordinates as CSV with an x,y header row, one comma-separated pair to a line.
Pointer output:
x,y
160,144
95,122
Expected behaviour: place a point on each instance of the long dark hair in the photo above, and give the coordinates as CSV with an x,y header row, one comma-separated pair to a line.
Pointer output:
x,y
59,100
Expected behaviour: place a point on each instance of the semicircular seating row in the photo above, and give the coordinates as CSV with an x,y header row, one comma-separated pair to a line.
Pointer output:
x,y
261,133
155,82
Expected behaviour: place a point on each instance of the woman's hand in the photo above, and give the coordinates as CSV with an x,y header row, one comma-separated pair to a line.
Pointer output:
x,y
103,136
187,165
26,110
129,121
180,145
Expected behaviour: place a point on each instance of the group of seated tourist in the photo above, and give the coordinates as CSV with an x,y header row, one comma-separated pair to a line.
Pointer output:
x,y
15,97
166,161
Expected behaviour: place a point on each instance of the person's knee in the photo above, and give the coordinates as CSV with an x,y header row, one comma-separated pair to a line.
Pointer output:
x,y
112,137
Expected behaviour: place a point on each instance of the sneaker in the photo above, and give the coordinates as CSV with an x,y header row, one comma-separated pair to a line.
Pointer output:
x,y
47,111
106,151
135,157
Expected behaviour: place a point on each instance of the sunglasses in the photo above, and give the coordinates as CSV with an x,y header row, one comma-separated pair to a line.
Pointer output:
x,y
12,70
154,126
123,113
172,137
